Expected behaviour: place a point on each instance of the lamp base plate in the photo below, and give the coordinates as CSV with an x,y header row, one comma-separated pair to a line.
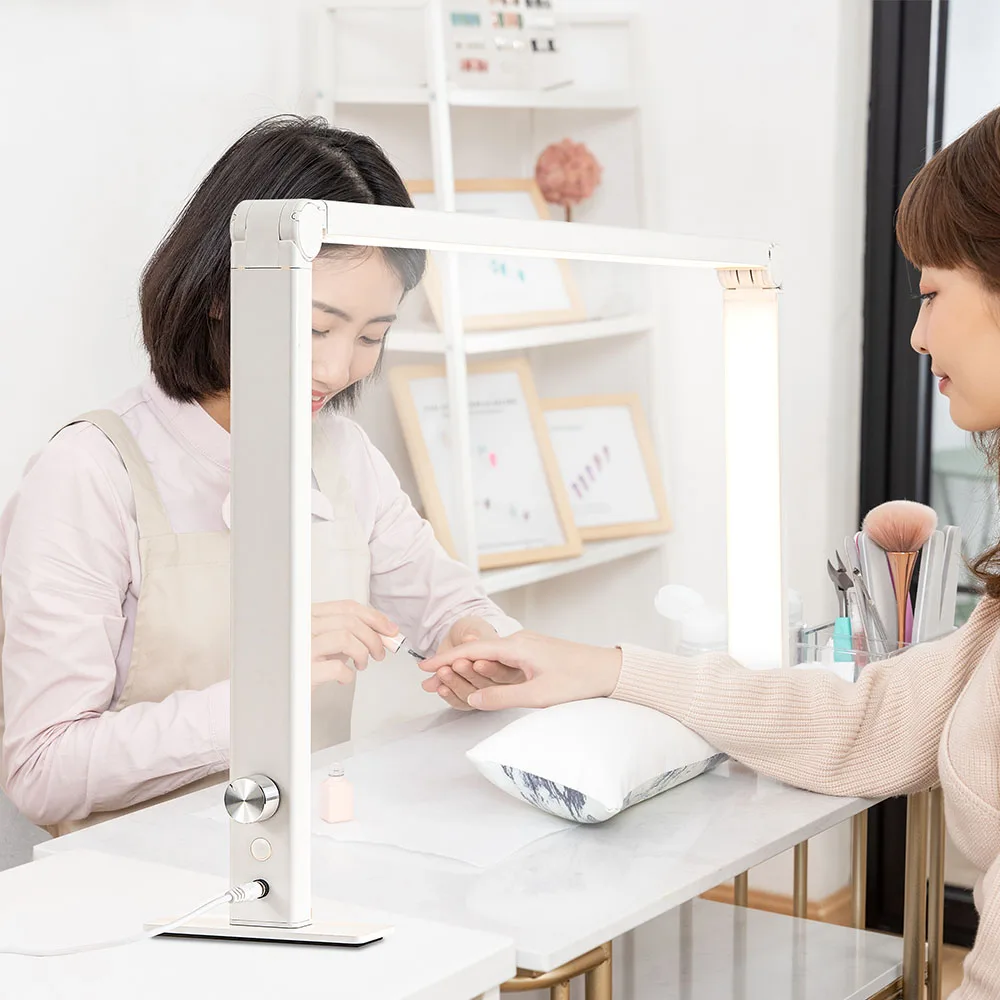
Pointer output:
x,y
325,932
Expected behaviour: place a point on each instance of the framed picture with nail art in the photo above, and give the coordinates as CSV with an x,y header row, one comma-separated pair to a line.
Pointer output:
x,y
608,465
497,291
522,509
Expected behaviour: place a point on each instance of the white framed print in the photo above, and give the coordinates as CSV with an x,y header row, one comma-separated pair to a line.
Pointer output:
x,y
497,291
608,465
523,512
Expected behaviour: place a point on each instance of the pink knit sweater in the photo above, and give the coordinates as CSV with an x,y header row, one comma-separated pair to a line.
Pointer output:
x,y
930,714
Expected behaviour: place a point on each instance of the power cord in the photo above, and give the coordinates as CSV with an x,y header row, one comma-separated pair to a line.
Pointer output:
x,y
257,889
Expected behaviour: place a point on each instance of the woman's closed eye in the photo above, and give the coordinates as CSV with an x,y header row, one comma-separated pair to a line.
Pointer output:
x,y
926,297
373,340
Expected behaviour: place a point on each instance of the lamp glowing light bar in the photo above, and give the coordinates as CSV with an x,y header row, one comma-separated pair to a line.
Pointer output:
x,y
274,244
758,609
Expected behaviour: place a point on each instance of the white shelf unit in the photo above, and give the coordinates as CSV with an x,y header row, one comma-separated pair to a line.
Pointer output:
x,y
566,98
340,94
522,339
496,581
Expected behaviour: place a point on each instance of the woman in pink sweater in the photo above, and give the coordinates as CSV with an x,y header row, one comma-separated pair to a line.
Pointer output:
x,y
931,714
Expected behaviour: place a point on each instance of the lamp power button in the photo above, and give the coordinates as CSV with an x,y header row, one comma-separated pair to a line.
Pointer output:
x,y
260,849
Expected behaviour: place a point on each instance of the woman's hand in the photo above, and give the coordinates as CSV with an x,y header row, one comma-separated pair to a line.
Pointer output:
x,y
552,671
345,631
457,681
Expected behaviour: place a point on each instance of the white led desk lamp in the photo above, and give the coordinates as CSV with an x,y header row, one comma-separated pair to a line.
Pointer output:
x,y
274,244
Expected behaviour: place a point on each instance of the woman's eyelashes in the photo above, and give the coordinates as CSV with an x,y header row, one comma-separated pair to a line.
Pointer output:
x,y
363,338
369,341
926,297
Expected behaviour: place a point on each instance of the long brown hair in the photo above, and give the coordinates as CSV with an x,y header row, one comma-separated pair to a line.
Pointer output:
x,y
950,218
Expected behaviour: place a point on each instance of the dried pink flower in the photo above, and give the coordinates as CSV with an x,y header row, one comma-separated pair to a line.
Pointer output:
x,y
567,172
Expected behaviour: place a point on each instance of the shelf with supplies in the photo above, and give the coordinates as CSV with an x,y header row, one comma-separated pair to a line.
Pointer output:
x,y
496,581
507,506
568,98
431,341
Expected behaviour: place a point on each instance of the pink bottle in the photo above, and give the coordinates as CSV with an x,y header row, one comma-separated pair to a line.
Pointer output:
x,y
336,797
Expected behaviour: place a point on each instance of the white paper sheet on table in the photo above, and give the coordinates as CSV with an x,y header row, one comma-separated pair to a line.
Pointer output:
x,y
421,794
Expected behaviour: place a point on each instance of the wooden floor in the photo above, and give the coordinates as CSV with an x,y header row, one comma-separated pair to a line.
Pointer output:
x,y
952,971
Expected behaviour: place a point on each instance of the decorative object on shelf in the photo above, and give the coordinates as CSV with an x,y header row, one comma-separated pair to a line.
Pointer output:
x,y
567,173
608,464
465,19
504,19
500,292
523,514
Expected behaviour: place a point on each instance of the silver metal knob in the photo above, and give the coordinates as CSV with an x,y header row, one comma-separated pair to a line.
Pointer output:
x,y
253,799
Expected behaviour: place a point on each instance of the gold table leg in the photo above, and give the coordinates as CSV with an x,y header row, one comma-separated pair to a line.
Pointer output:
x,y
859,869
597,982
800,890
595,965
935,894
915,899
741,889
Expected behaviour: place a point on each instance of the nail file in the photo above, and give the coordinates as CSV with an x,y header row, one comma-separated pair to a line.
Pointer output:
x,y
875,566
949,578
874,630
927,611
851,554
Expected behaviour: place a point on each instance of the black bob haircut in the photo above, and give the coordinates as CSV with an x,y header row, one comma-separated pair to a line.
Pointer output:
x,y
184,291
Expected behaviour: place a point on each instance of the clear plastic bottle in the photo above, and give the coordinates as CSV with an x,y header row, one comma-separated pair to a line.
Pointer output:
x,y
703,631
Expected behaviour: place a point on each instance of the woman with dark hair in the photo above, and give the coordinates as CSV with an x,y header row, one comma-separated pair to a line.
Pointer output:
x,y
115,550
928,715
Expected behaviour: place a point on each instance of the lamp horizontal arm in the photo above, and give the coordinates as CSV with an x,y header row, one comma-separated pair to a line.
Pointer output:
x,y
309,224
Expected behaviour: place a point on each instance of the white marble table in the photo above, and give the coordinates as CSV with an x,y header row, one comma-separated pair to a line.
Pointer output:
x,y
558,898
85,896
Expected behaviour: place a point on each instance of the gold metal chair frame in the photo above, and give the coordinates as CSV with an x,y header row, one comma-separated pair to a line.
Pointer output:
x,y
923,906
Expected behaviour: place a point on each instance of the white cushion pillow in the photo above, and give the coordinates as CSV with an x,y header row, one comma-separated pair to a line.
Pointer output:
x,y
588,760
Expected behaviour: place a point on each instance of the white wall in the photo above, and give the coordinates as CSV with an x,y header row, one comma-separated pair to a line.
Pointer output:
x,y
757,118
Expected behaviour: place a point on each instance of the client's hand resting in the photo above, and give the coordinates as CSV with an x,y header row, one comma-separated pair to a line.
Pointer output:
x,y
457,681
553,671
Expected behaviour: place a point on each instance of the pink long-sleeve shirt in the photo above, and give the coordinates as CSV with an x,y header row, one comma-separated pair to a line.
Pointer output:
x,y
69,564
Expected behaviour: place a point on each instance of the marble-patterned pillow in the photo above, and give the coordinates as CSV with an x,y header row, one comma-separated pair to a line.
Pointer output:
x,y
589,760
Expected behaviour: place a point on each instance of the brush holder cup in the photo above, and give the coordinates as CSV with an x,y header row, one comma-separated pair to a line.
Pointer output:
x,y
821,646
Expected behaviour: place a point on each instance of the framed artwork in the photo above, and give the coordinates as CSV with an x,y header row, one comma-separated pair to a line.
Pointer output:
x,y
499,292
608,465
522,511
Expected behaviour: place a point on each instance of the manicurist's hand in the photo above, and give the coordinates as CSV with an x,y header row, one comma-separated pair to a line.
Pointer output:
x,y
553,670
457,681
345,633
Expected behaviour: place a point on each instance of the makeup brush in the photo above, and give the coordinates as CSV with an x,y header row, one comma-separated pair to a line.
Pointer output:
x,y
901,529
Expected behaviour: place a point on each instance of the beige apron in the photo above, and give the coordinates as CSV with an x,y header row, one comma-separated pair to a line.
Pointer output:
x,y
181,639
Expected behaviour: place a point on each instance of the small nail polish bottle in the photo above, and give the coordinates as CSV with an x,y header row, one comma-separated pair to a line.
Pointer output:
x,y
336,797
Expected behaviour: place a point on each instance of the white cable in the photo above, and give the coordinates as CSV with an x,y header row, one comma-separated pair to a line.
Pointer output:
x,y
237,894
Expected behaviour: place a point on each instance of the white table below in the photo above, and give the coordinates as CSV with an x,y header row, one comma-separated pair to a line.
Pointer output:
x,y
557,898
85,896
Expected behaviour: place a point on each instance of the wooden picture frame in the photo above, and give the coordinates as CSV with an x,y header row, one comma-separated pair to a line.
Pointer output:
x,y
420,394
608,507
551,280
